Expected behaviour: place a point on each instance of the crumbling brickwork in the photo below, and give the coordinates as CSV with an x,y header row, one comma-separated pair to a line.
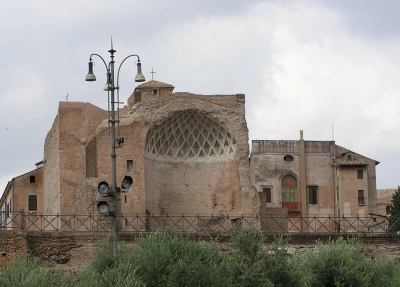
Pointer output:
x,y
11,244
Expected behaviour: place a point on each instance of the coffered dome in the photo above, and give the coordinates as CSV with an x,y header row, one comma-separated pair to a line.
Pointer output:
x,y
190,136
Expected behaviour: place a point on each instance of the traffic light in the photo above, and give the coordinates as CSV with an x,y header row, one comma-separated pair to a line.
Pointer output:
x,y
103,188
102,206
126,182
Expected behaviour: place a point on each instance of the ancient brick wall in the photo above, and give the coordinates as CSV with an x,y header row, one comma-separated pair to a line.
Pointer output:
x,y
227,110
51,170
79,248
11,244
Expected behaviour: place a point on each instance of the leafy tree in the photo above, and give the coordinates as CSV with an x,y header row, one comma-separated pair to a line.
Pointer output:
x,y
394,220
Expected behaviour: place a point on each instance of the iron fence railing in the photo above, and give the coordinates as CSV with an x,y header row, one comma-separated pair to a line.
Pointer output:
x,y
197,223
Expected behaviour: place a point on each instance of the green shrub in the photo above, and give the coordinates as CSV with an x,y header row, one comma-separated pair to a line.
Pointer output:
x,y
254,266
108,270
338,263
24,271
166,259
386,272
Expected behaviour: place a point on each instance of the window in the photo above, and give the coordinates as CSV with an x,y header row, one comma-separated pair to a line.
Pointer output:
x,y
32,202
130,167
32,179
361,198
7,211
360,174
312,194
349,157
267,191
387,209
288,158
289,189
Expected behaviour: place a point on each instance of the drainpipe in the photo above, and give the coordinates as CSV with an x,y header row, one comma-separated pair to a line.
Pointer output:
x,y
303,186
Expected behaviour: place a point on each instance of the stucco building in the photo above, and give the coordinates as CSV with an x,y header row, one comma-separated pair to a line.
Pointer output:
x,y
189,154
310,178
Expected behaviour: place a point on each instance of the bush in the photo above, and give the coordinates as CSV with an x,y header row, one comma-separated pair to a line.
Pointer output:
x,y
161,259
24,271
255,266
338,263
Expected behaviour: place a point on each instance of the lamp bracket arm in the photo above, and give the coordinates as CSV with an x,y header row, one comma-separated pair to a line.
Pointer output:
x,y
90,59
133,55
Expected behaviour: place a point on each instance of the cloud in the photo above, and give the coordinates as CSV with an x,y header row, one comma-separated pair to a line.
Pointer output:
x,y
303,65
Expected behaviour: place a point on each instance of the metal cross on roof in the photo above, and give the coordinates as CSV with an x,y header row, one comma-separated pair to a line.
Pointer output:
x,y
152,73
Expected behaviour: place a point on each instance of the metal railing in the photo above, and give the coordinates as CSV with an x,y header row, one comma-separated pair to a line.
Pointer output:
x,y
200,224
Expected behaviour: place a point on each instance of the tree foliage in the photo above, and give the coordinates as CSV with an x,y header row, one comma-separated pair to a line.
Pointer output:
x,y
394,220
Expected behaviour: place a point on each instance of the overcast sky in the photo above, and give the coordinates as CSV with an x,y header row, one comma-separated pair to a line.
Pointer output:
x,y
303,65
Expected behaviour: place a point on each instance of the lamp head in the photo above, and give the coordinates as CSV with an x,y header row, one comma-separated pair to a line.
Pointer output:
x,y
139,77
107,87
90,76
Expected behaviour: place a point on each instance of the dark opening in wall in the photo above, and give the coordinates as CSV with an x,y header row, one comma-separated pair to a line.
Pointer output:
x,y
288,158
32,202
32,179
268,197
130,166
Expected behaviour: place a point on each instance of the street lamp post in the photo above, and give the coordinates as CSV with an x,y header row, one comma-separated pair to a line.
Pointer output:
x,y
110,88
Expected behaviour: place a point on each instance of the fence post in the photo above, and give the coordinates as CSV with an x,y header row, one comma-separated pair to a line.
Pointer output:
x,y
22,220
315,223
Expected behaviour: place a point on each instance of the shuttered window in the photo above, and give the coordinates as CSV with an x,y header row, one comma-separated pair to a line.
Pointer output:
x,y
312,194
32,202
361,198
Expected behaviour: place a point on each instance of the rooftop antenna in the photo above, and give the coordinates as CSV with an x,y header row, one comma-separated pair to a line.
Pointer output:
x,y
67,97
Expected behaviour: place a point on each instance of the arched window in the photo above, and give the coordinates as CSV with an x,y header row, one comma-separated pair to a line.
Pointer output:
x,y
289,189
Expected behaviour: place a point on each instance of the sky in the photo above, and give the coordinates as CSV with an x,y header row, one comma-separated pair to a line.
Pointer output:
x,y
330,68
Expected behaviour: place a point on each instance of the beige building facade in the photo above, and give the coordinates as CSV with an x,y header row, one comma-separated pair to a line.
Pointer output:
x,y
189,154
22,193
312,178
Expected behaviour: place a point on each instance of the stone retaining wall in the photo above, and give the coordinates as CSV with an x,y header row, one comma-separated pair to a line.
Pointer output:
x,y
79,248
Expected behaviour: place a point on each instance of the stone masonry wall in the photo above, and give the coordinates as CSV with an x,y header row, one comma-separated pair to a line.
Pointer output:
x,y
75,250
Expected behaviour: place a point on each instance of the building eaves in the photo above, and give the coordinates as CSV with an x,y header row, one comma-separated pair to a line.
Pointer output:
x,y
345,150
344,162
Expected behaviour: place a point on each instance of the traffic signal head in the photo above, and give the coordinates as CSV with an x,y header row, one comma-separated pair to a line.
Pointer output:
x,y
102,206
126,182
103,188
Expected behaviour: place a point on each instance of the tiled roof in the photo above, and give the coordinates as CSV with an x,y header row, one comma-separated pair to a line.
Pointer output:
x,y
150,85
342,161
